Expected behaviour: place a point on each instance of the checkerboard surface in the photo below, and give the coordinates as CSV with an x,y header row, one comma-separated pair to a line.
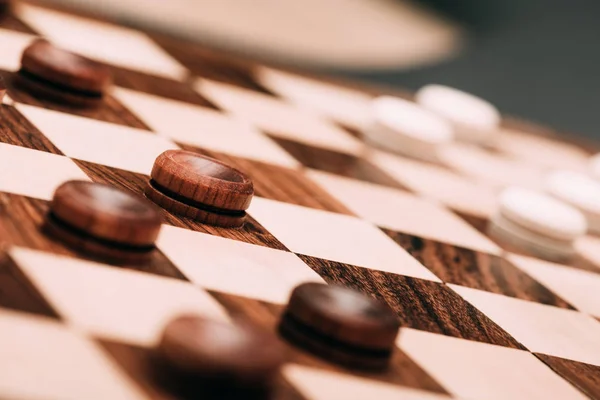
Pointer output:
x,y
478,321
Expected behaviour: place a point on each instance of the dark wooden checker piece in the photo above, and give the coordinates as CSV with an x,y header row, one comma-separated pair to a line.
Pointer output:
x,y
200,188
103,221
340,324
62,76
218,359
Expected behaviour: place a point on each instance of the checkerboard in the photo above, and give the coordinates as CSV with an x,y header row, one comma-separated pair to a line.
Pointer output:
x,y
478,321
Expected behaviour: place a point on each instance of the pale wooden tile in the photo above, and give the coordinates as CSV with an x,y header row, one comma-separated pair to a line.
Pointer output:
x,y
451,189
474,370
279,118
350,107
335,237
97,141
539,327
35,173
114,303
104,42
578,287
316,384
205,128
403,212
43,359
235,267
12,45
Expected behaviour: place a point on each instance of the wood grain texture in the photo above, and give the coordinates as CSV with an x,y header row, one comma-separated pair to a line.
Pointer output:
x,y
18,293
138,362
157,86
318,319
481,224
203,180
337,163
251,232
214,65
109,110
402,370
584,377
420,304
15,129
465,267
21,219
279,183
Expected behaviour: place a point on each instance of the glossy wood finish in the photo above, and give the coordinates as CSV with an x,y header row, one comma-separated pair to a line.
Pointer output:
x,y
219,359
104,221
21,221
420,304
251,232
341,325
402,370
200,188
279,183
63,76
476,270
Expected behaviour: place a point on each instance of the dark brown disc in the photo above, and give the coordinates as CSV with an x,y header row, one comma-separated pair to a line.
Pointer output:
x,y
49,65
219,355
341,324
201,181
104,215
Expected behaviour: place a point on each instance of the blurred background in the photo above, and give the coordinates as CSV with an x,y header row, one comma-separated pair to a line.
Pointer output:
x,y
537,59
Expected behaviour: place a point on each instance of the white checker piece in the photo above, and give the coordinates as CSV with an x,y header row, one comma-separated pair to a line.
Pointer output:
x,y
99,142
403,212
43,360
113,303
453,190
578,287
205,128
474,370
278,118
104,42
35,173
317,384
12,44
350,107
235,267
541,328
335,237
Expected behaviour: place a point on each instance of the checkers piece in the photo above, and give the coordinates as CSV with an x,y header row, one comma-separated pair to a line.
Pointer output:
x,y
222,360
578,190
200,188
62,76
475,120
340,324
538,224
405,128
103,221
